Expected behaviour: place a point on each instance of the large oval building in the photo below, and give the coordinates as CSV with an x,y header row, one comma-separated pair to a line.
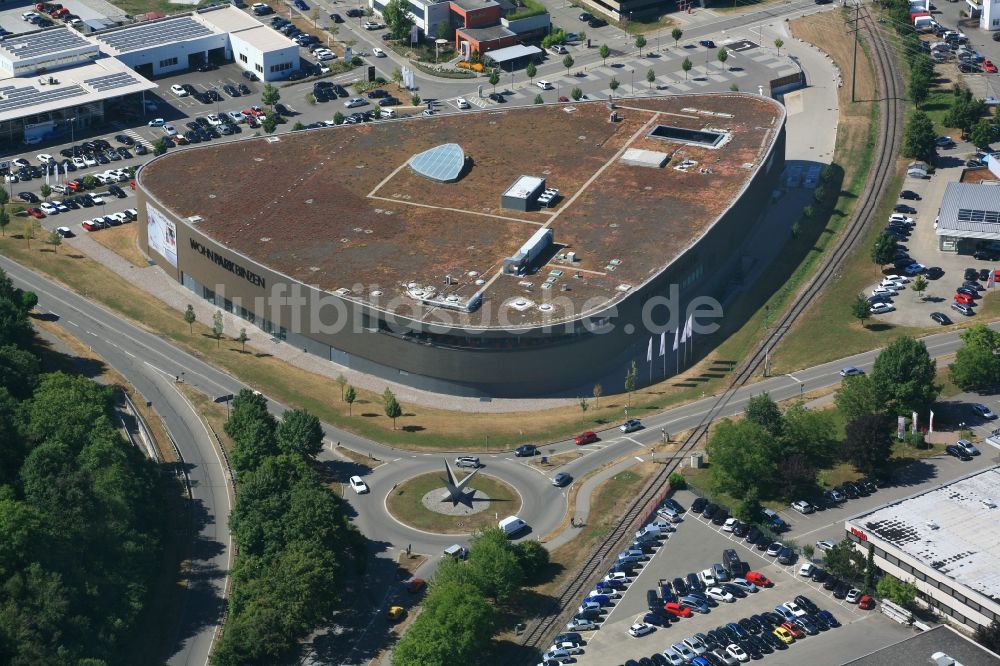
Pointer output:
x,y
514,252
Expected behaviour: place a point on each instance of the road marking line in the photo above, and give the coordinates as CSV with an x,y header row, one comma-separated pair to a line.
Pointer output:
x,y
798,381
73,323
92,333
128,353
639,459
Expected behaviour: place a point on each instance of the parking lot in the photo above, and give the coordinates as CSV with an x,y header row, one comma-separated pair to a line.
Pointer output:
x,y
697,544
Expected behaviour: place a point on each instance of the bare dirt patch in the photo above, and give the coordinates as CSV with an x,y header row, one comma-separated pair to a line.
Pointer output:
x,y
122,241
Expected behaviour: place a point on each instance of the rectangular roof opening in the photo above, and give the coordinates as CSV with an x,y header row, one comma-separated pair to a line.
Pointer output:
x,y
700,137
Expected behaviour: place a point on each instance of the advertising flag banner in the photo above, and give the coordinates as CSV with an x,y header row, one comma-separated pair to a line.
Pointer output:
x,y
677,341
930,424
649,350
663,343
900,426
914,427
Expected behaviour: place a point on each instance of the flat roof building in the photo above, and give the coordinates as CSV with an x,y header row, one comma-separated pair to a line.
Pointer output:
x,y
946,541
919,648
969,215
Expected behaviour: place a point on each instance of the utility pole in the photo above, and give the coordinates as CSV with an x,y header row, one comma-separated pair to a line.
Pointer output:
x,y
857,37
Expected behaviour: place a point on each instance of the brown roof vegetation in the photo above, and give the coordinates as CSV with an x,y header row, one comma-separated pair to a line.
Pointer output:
x,y
339,208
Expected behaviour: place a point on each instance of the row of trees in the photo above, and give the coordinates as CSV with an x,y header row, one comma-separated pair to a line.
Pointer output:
x,y
81,519
458,620
295,546
774,455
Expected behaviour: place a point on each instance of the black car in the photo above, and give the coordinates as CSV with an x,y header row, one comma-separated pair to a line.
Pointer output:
x,y
734,590
124,139
819,574
763,542
903,208
868,485
986,255
698,505
207,67
336,18
585,17
850,490
909,195
378,93
30,197
250,76
354,12
496,97
694,585
231,90
806,603
958,452
971,274
752,535
525,451
984,274
597,22
679,586
244,89
341,90
933,273
707,43
840,591
282,110
673,504
720,517
773,618
117,191
297,75
748,625
709,510
656,619
213,95
741,530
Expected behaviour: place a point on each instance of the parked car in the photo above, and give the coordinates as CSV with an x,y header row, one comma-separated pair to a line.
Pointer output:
x,y
957,452
967,446
983,411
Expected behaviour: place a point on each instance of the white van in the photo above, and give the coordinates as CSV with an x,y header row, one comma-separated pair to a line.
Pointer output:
x,y
387,113
511,525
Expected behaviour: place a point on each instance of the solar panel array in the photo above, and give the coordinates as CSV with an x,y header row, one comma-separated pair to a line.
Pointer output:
x,y
970,215
46,42
442,163
12,97
111,81
154,34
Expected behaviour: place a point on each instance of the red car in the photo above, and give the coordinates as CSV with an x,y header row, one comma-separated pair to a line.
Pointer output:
x,y
90,226
758,578
988,66
964,299
866,602
585,438
36,212
793,629
414,585
677,610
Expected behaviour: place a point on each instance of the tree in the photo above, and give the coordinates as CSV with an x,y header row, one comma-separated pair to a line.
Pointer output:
x,y
918,137
604,52
686,66
650,78
677,481
857,397
989,637
242,339
740,457
861,309
981,135
415,99
391,406
676,33
531,70
977,361
749,510
900,593
159,147
532,557
723,56
217,327
904,374
341,382
795,225
630,377
870,569
808,550
29,232
189,318
55,240
797,477
349,397
454,628
298,126
964,111
640,42
584,405
4,220
299,432
920,85
396,14
613,84
845,562
89,182
763,411
495,566
538,99
919,285
597,393
270,95
884,250
576,94
868,443
270,122
45,191
338,118
494,79
568,63
778,43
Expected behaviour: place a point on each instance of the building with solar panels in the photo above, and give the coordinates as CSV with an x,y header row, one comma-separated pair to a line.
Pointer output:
x,y
969,217
946,541
56,81
516,252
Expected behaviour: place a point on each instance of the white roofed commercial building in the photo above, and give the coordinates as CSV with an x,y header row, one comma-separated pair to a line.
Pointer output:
x,y
946,541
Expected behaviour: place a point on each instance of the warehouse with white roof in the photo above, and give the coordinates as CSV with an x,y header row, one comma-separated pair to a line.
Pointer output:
x,y
946,541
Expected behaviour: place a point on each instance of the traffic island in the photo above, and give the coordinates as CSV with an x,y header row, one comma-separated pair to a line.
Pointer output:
x,y
423,503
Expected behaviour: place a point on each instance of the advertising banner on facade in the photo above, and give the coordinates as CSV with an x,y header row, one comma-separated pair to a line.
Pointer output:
x,y
162,235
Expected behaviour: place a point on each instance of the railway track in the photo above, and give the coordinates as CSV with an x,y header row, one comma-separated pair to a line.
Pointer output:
x,y
539,633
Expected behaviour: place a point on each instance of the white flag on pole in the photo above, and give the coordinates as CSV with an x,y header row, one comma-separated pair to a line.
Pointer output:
x,y
663,343
649,350
677,342
684,334
689,327
930,425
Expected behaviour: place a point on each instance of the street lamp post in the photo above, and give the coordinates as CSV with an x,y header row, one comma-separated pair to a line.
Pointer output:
x,y
633,80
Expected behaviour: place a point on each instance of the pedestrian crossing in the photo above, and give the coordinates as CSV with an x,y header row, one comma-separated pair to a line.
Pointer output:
x,y
631,76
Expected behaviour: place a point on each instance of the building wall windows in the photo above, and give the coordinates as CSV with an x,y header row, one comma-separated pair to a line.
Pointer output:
x,y
281,67
243,58
169,62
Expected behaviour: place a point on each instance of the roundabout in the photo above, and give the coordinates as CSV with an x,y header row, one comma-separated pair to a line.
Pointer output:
x,y
425,503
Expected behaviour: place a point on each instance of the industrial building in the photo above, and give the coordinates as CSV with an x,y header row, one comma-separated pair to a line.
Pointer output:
x,y
462,254
56,81
946,541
